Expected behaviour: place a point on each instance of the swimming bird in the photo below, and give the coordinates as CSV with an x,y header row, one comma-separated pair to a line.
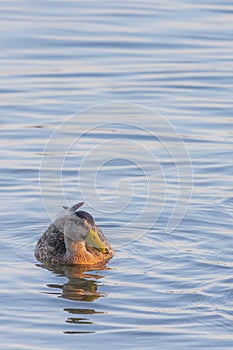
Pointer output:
x,y
73,238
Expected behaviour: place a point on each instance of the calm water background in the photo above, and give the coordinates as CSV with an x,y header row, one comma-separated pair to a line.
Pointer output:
x,y
164,290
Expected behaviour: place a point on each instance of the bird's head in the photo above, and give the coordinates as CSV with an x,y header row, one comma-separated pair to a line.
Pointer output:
x,y
80,227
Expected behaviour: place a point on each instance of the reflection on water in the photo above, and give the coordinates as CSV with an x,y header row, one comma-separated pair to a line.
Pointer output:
x,y
81,286
80,320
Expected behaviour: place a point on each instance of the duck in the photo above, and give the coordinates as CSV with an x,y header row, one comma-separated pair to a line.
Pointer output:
x,y
73,238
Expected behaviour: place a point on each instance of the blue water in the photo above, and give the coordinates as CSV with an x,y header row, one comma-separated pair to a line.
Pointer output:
x,y
127,106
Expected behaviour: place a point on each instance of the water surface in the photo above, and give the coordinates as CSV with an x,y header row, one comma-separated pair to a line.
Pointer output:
x,y
162,289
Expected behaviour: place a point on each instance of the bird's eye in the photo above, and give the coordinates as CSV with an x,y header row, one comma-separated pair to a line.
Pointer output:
x,y
84,235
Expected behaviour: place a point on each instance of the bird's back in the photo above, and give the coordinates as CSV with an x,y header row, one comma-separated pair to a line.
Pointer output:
x,y
51,246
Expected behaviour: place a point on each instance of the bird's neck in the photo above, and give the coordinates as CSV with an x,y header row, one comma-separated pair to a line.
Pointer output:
x,y
76,253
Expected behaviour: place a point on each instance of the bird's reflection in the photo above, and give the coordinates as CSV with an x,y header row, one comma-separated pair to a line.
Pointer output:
x,y
82,285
